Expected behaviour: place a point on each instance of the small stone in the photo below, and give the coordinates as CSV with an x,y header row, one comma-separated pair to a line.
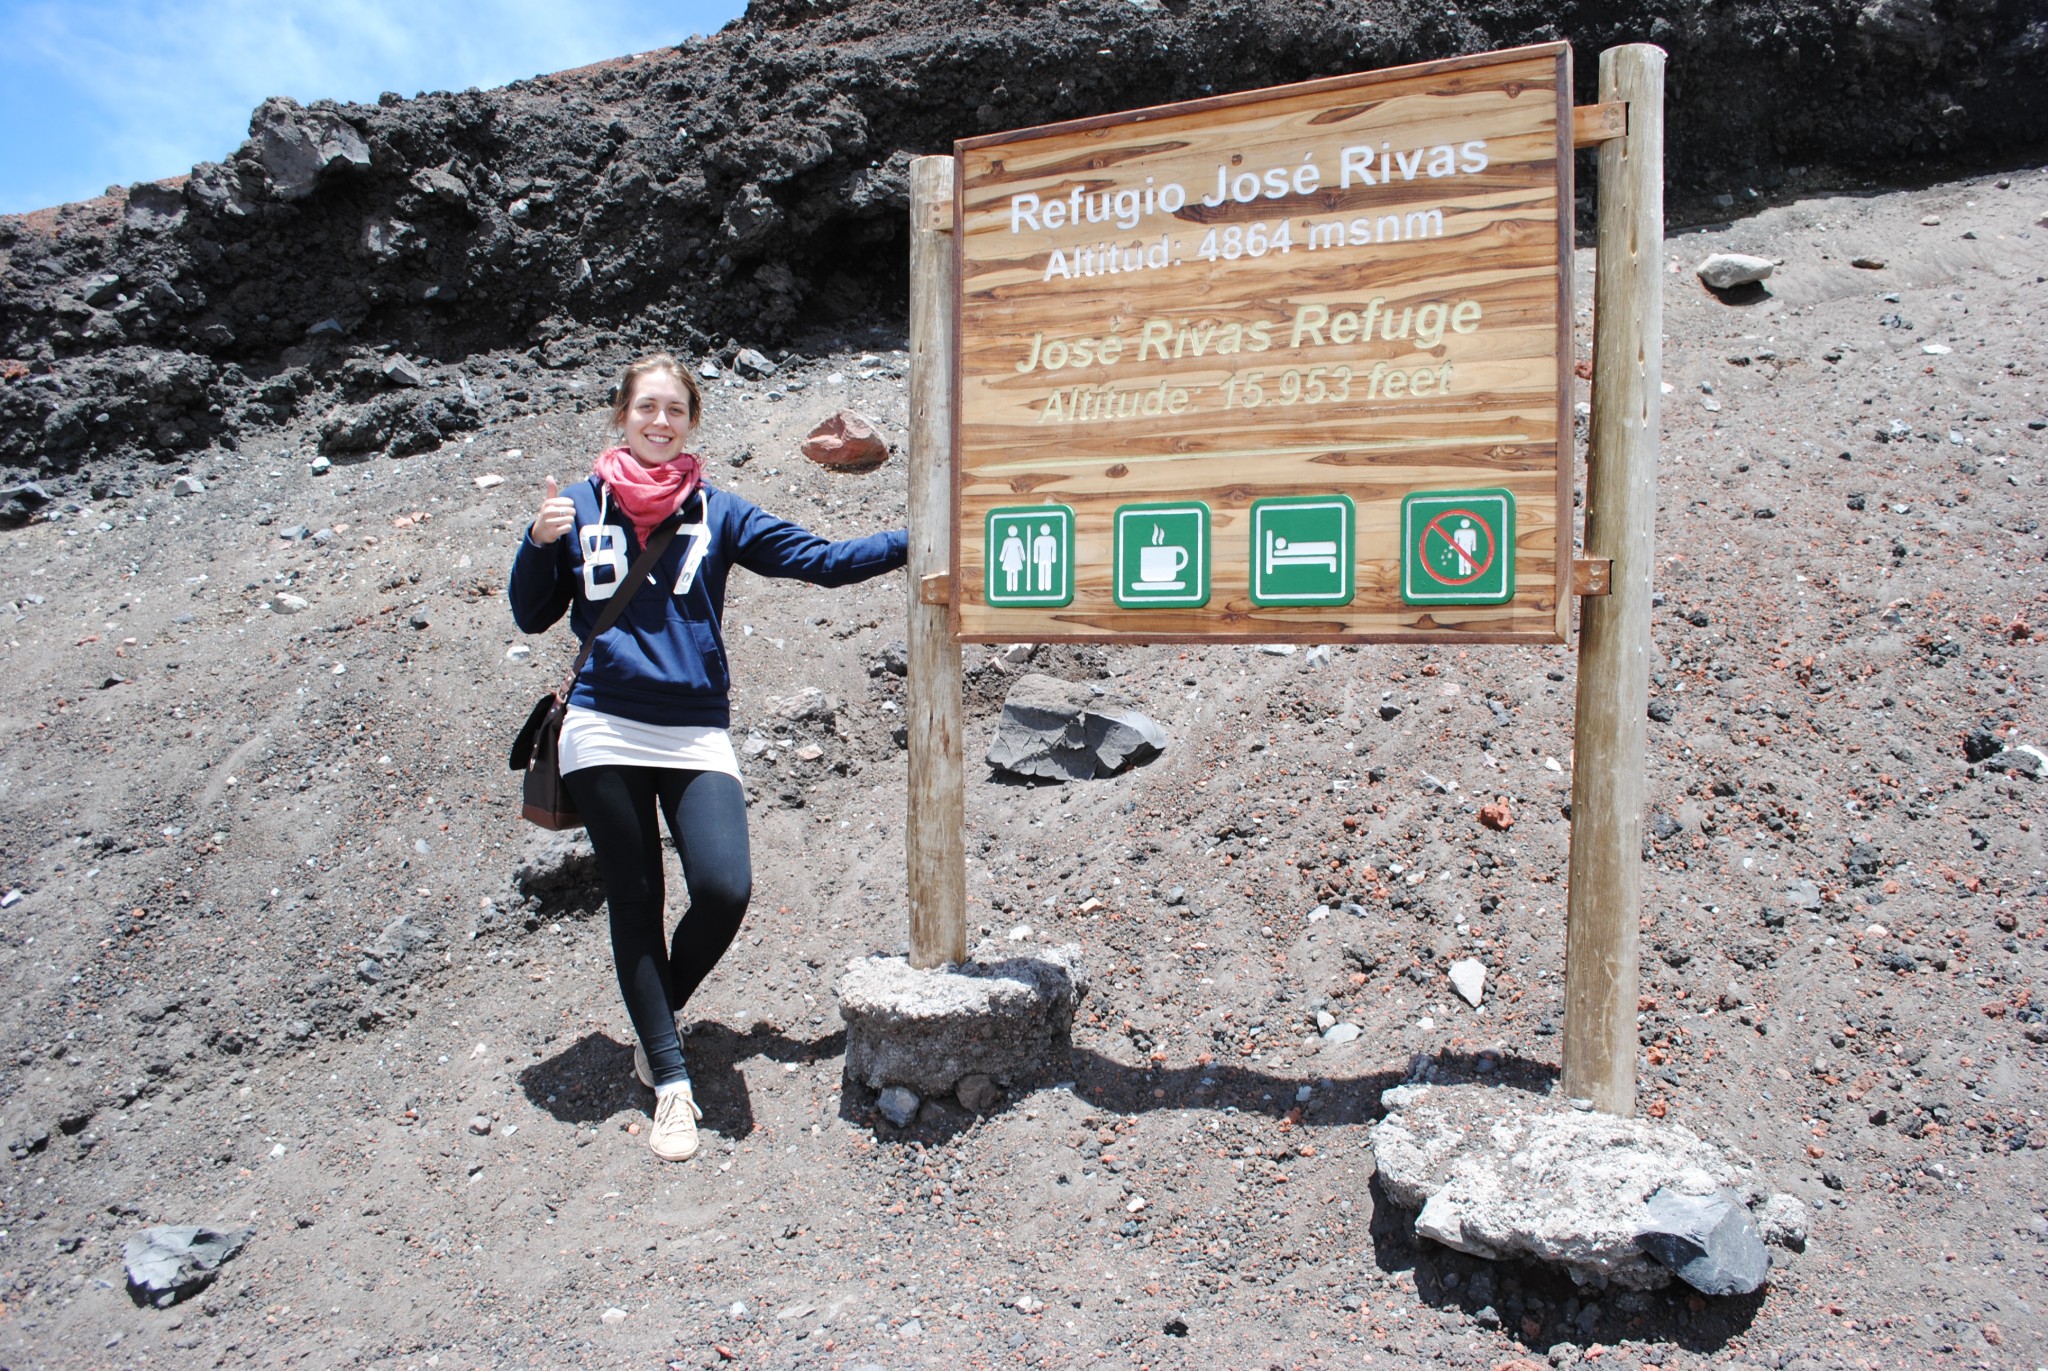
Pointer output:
x,y
1390,712
1708,1241
319,466
1662,711
400,371
188,485
488,480
1319,655
298,1030
810,752
708,371
613,1315
419,618
290,604
1803,894
295,533
1931,221
518,652
898,1105
1868,263
481,1125
1177,896
1497,816
847,441
1468,978
1727,270
753,365
1338,1034
979,1093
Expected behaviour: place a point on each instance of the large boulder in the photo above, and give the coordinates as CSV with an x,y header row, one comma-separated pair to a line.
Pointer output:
x,y
846,442
1059,731
297,146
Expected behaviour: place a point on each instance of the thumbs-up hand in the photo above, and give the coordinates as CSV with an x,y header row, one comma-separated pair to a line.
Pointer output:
x,y
557,515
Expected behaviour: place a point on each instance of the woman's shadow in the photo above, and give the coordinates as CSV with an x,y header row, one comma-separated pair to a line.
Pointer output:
x,y
592,1079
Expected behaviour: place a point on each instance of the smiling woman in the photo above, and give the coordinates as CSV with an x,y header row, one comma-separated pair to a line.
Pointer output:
x,y
146,90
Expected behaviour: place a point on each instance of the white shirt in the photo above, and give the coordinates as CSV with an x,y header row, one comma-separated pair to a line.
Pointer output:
x,y
590,738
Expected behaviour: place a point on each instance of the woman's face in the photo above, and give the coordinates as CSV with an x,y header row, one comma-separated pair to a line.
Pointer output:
x,y
658,420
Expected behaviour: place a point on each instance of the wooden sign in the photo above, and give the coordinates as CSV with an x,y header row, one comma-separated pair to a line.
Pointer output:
x,y
1281,366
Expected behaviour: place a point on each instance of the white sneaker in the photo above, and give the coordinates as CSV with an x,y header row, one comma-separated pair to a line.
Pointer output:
x,y
674,1135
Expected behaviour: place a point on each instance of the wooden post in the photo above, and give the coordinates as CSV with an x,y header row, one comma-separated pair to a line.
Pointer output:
x,y
1604,908
934,846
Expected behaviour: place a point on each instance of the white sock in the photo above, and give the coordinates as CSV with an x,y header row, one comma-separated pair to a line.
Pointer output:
x,y
661,1090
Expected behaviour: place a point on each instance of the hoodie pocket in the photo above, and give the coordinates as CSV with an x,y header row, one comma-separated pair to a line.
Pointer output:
x,y
711,653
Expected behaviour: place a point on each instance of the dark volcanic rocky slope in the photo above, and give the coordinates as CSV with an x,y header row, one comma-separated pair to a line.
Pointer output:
x,y
753,184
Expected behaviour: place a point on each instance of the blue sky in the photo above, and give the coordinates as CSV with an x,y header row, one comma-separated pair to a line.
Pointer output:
x,y
106,92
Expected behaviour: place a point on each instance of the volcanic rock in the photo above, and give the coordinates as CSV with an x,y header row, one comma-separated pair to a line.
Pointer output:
x,y
846,442
1059,731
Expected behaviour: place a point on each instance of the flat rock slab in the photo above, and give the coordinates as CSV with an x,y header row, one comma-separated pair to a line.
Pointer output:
x,y
1060,731
1009,1021
175,1261
1499,1173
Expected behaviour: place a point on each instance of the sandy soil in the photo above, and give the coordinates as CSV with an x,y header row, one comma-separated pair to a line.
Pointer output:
x,y
216,811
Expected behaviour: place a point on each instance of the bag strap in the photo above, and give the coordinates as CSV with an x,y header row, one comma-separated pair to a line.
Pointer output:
x,y
657,543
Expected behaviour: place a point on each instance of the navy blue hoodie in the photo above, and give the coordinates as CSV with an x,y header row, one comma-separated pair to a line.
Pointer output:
x,y
663,662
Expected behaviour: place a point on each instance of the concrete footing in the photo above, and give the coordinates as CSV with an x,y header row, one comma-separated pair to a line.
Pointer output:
x,y
1498,1172
958,1030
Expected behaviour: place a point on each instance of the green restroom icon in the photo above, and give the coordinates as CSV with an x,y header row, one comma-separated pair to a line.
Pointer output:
x,y
1030,559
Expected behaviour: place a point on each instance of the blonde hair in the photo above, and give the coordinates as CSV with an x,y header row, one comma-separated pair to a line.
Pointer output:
x,y
622,401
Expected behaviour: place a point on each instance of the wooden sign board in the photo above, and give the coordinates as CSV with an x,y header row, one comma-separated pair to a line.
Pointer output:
x,y
1287,365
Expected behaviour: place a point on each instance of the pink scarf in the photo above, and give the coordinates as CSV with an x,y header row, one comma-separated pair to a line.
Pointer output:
x,y
646,494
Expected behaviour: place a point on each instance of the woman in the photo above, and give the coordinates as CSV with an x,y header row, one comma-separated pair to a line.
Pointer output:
x,y
645,731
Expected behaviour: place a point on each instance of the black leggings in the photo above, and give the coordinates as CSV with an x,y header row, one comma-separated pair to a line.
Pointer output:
x,y
707,815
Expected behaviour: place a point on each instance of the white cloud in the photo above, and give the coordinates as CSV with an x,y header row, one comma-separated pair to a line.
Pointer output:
x,y
167,84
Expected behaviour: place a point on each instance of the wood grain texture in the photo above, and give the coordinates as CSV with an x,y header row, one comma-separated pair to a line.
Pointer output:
x,y
1604,904
1412,335
935,850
